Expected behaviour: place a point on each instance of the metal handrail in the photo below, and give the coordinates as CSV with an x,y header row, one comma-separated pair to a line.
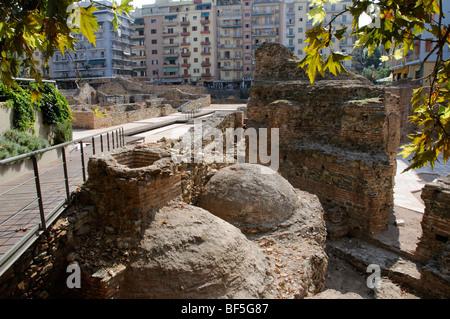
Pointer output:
x,y
50,148
115,138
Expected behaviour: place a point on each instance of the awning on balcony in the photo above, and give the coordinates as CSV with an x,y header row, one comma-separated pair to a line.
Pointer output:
x,y
171,17
170,69
171,58
100,61
205,14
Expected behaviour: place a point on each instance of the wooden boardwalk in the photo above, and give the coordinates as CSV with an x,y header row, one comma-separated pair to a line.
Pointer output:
x,y
19,205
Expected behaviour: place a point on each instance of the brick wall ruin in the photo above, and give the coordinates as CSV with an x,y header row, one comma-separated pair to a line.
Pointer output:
x,y
125,101
338,139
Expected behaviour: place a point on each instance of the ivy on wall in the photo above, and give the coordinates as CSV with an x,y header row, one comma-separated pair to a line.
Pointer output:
x,y
54,107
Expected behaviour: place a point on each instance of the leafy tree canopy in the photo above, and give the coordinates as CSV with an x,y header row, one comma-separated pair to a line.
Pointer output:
x,y
27,26
395,26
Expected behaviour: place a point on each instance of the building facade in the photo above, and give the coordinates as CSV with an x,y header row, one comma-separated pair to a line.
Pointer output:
x,y
420,62
211,42
109,58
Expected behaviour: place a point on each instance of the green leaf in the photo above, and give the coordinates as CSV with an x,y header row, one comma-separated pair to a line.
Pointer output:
x,y
317,14
398,54
88,23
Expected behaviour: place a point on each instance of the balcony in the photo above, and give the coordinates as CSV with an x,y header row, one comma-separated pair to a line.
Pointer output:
x,y
205,21
206,75
205,43
186,65
205,32
170,75
228,57
170,44
186,54
227,46
170,20
206,63
185,75
170,54
185,33
264,12
185,23
230,25
265,34
169,34
205,53
185,44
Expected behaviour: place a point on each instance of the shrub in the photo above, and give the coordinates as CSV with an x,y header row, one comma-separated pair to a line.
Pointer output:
x,y
62,132
14,143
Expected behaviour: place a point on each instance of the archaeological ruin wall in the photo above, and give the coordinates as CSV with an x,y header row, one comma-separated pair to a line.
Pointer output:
x,y
338,138
125,101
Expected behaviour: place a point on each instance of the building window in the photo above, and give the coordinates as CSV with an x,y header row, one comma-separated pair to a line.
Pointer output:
x,y
247,4
300,30
153,31
195,59
300,41
154,51
153,21
155,72
194,18
154,41
195,49
154,62
195,39
194,28
300,8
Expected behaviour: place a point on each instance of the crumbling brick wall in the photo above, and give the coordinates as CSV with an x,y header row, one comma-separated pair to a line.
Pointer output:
x,y
338,139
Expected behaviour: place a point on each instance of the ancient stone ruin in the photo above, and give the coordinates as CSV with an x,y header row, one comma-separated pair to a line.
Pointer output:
x,y
124,101
146,225
177,250
338,138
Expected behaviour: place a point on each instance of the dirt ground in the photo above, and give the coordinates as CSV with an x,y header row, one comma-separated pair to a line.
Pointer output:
x,y
343,281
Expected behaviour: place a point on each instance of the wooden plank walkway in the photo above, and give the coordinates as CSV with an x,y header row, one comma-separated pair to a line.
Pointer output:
x,y
19,205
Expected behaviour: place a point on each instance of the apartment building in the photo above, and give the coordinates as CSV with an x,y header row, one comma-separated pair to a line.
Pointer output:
x,y
109,58
414,66
178,40
212,42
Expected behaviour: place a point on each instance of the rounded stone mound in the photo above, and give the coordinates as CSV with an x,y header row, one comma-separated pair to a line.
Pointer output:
x,y
186,252
249,196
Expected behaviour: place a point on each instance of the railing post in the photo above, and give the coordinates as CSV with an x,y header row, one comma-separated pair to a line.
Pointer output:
x,y
101,142
82,161
123,137
107,139
112,138
117,139
38,192
93,145
66,175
